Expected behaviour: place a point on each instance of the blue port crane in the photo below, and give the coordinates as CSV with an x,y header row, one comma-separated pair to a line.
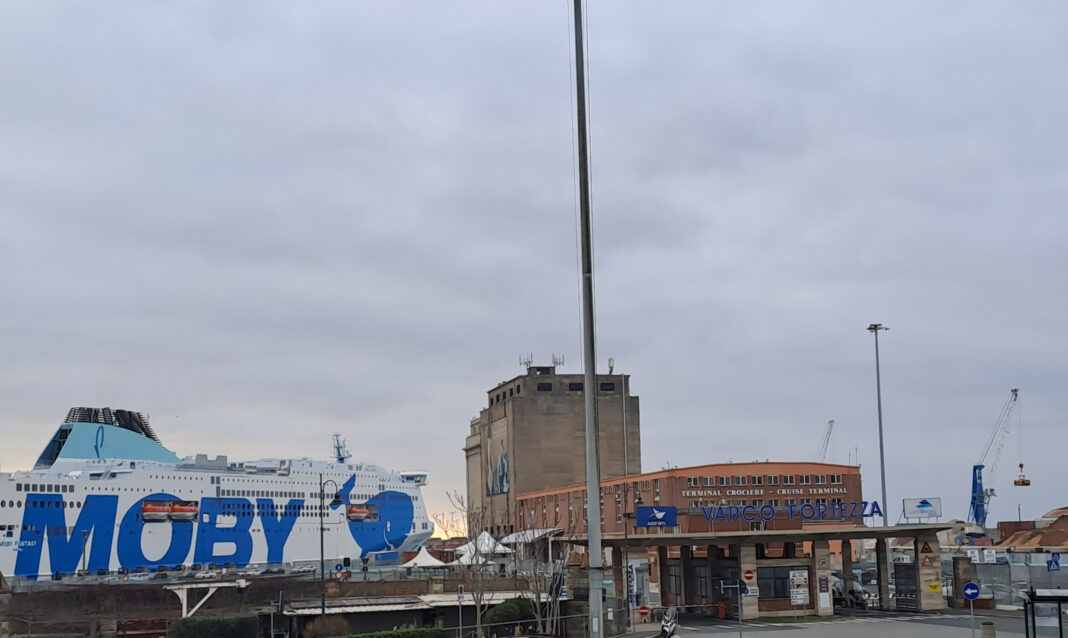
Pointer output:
x,y
981,496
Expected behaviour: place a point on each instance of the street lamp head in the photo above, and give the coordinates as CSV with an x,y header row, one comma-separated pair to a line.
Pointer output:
x,y
875,327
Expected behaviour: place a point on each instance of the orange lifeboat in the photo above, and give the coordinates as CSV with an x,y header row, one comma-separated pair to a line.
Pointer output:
x,y
358,512
155,511
184,511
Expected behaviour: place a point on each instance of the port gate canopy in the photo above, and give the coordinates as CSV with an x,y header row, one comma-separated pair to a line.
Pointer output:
x,y
923,577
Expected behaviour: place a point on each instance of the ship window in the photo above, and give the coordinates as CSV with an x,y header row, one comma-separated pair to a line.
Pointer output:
x,y
3,503
545,387
574,387
608,387
18,487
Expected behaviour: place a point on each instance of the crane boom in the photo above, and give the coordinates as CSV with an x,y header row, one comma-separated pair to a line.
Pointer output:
x,y
977,509
821,453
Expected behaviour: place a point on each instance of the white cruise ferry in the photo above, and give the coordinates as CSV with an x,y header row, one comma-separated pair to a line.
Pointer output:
x,y
107,495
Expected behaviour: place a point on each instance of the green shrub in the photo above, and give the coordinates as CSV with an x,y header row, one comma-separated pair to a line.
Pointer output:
x,y
509,611
221,627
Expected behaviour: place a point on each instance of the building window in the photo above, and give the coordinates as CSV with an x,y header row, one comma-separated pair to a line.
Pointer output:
x,y
756,526
742,503
757,502
608,387
806,501
803,479
574,386
774,582
695,504
821,500
836,479
675,579
791,501
692,481
774,502
773,479
545,387
725,481
821,479
788,479
710,481
757,480
740,480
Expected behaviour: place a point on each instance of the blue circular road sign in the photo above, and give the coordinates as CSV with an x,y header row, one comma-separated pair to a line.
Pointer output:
x,y
970,591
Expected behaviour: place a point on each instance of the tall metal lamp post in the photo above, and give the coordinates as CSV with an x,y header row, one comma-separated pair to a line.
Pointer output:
x,y
875,328
322,524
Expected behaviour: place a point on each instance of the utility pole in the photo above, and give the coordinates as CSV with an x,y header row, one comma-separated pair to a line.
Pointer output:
x,y
589,352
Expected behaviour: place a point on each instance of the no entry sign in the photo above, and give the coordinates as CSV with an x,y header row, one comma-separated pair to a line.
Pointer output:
x,y
748,575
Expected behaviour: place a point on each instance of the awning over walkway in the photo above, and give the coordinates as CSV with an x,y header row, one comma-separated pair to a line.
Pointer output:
x,y
653,539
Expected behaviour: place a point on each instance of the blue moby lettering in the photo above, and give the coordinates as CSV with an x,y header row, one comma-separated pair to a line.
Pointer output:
x,y
44,520
277,527
210,534
132,527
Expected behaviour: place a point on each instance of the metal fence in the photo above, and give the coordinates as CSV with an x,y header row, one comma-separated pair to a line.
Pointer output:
x,y
1005,581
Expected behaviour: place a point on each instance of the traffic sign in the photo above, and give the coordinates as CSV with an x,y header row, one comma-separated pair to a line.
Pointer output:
x,y
970,591
748,574
643,611
459,591
339,567
1053,566
1055,556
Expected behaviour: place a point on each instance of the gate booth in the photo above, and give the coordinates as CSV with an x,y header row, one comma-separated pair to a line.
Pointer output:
x,y
1044,608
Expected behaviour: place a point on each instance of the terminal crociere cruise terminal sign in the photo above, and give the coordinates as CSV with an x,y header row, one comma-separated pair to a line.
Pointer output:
x,y
806,511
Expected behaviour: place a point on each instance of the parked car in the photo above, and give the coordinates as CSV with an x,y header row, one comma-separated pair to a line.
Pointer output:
x,y
207,574
304,569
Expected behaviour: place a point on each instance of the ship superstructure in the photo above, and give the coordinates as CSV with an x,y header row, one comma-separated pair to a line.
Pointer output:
x,y
107,495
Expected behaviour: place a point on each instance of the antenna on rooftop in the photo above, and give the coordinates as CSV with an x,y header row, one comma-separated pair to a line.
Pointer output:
x,y
527,360
558,361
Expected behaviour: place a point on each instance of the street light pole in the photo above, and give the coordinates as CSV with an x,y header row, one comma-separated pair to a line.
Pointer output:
x,y
322,519
875,328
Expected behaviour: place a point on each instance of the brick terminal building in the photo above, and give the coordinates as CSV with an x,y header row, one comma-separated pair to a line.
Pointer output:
x,y
718,497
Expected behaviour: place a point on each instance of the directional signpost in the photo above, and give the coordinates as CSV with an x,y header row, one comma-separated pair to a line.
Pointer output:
x,y
971,592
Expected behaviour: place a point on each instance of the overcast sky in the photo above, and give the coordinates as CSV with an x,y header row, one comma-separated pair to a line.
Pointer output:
x,y
261,223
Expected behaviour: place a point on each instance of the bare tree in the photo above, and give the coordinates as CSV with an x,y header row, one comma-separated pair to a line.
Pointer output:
x,y
480,565
452,524
545,579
